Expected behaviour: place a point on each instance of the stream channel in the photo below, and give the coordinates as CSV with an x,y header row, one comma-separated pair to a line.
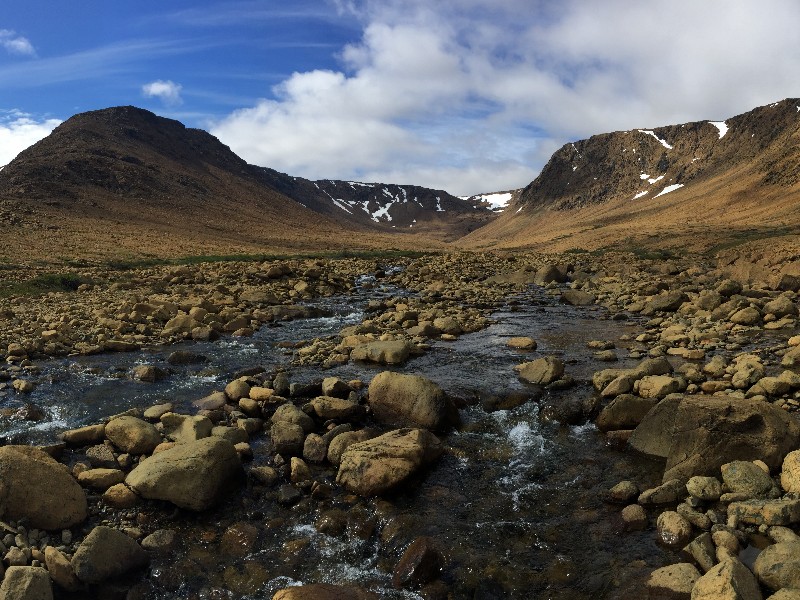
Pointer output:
x,y
514,504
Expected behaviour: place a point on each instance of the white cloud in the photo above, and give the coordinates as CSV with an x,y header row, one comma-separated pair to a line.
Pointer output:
x,y
168,92
15,44
19,130
473,95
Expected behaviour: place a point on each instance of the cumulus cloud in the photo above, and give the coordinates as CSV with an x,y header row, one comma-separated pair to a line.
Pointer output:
x,y
168,91
15,44
473,95
19,130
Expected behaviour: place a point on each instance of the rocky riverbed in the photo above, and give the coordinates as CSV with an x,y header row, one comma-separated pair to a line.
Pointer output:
x,y
473,426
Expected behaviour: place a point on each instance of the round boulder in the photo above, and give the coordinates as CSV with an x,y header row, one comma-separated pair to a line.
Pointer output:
x,y
133,435
410,400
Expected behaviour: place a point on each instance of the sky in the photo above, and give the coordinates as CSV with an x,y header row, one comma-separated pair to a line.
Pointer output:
x,y
469,96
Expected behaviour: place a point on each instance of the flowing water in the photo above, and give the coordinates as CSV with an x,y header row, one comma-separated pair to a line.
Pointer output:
x,y
515,502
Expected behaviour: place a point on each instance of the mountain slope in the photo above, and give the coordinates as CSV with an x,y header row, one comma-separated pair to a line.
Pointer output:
x,y
663,186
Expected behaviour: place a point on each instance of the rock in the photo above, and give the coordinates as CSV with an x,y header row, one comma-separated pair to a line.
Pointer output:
x,y
60,569
107,553
85,436
410,400
234,435
781,307
577,298
120,496
659,386
673,582
747,316
185,357
522,343
698,434
183,429
161,540
766,512
101,479
673,529
381,464
448,325
264,475
35,487
704,488
746,478
542,371
237,389
149,373
420,564
289,413
702,551
786,594
287,438
133,435
391,352
550,273
193,475
619,386
624,412
154,413
213,401
790,472
261,394
698,519
342,442
315,448
623,493
778,565
665,302
728,580
333,386
26,583
298,470
634,518
331,408
323,591
668,492
101,456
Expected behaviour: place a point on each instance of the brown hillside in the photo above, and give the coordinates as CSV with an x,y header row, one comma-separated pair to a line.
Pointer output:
x,y
604,191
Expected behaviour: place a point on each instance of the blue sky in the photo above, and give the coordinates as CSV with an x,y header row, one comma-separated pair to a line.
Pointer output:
x,y
466,95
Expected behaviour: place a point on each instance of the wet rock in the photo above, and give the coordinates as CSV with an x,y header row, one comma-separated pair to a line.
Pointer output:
x,y
106,553
577,298
778,566
264,475
550,273
35,487
239,539
421,563
102,456
522,343
746,316
161,540
668,492
390,352
149,373
315,448
634,518
343,441
542,371
237,389
382,464
193,475
728,580
85,436
323,591
133,435
744,477
288,495
185,357
213,401
624,412
287,438
120,496
333,386
623,493
26,583
403,400
60,569
673,582
790,472
673,529
234,435
695,517
704,488
766,512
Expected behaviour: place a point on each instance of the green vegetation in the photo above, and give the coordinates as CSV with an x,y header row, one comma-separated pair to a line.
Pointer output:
x,y
743,236
42,284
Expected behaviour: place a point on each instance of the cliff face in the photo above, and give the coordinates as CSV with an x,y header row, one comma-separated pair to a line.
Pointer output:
x,y
631,165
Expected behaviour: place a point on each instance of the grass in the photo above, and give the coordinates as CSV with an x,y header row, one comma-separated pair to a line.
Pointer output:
x,y
42,284
743,236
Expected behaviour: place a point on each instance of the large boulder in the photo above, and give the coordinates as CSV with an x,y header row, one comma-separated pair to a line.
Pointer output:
x,y
36,487
698,434
193,475
26,583
672,582
133,435
624,412
107,553
381,464
389,352
410,400
728,580
778,565
542,371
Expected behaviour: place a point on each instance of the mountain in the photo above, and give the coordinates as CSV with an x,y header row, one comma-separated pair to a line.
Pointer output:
x,y
123,180
703,184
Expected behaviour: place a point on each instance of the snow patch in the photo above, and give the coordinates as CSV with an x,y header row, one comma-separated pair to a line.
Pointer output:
x,y
342,205
669,188
723,128
653,180
439,204
497,202
644,176
639,195
653,133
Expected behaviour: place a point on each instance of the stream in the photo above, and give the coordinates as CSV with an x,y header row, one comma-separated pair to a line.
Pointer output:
x,y
514,504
